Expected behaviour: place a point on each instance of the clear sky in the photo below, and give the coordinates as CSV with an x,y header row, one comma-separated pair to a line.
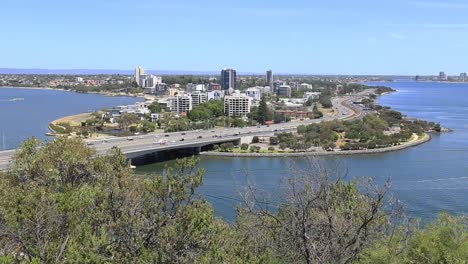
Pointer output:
x,y
293,36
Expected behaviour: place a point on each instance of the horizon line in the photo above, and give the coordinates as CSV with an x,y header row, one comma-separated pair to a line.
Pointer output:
x,y
91,71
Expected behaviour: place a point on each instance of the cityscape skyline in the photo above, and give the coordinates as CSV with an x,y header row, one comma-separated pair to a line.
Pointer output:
x,y
403,38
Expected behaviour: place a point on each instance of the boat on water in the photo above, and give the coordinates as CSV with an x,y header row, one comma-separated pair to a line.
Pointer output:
x,y
16,99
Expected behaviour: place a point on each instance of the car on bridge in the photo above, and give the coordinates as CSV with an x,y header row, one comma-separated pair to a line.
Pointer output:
x,y
162,142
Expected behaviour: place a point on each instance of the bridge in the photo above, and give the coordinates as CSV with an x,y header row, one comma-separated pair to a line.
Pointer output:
x,y
192,142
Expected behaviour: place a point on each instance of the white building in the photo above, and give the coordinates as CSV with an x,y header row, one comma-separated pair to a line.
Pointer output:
x,y
215,95
305,86
180,104
191,87
198,98
151,81
139,71
237,105
254,93
265,90
313,95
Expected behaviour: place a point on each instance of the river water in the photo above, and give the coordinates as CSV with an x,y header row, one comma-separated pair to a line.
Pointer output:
x,y
428,179
30,117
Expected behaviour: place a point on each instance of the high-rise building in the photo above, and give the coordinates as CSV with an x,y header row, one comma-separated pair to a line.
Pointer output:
x,y
198,98
269,78
150,81
180,104
139,72
442,76
284,91
254,92
237,105
228,79
463,77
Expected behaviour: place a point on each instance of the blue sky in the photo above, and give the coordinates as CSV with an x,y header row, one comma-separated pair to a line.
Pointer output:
x,y
295,36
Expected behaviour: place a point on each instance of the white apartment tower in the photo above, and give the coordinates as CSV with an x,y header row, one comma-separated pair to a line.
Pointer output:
x,y
237,105
180,104
139,71
198,98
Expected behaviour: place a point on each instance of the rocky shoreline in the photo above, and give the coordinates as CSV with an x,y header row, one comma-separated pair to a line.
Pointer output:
x,y
417,142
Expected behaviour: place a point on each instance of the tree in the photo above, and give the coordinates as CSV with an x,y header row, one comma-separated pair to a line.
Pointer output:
x,y
60,203
445,240
274,141
237,122
147,126
244,146
226,147
254,148
264,112
320,218
154,107
127,119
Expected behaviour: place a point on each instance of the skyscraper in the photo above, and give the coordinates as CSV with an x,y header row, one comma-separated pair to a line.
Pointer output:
x,y
463,76
442,76
228,79
139,71
269,78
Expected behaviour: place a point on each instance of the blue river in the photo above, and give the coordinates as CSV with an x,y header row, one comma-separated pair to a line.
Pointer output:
x,y
428,179
22,119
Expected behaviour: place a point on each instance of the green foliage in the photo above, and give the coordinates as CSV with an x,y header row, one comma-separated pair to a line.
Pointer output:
x,y
237,122
274,141
254,148
244,146
325,99
127,119
206,111
147,126
444,240
61,203
155,108
264,112
226,147
61,128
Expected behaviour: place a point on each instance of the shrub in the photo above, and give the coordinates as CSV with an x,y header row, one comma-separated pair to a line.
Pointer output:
x,y
274,141
255,139
254,149
245,146
271,148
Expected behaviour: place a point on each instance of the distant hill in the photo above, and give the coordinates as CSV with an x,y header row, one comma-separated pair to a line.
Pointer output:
x,y
104,71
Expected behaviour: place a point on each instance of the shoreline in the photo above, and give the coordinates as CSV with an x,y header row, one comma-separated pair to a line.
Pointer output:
x,y
74,91
426,138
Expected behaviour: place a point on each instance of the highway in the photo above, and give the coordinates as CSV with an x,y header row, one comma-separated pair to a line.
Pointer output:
x,y
162,141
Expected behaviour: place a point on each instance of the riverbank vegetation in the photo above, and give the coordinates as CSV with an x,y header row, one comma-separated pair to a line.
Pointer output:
x,y
381,129
60,203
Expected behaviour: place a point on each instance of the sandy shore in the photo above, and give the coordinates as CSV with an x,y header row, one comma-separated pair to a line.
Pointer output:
x,y
74,91
73,120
